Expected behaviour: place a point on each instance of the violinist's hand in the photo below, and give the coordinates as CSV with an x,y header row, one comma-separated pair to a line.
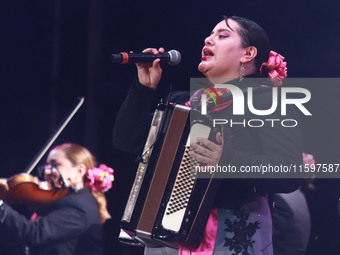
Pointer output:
x,y
209,157
149,74
35,217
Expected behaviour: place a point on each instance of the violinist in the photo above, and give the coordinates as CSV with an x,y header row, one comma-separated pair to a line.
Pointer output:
x,y
72,224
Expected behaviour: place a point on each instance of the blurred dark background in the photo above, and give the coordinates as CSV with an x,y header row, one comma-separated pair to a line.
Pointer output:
x,y
54,51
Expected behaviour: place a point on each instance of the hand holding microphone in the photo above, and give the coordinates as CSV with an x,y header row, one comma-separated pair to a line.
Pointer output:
x,y
148,63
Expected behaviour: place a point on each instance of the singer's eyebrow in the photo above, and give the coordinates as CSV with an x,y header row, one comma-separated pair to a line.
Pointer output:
x,y
223,30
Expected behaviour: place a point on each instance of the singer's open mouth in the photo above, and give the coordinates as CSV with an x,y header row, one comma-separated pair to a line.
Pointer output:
x,y
207,52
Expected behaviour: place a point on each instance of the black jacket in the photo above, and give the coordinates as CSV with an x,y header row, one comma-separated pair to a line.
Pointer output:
x,y
70,226
252,146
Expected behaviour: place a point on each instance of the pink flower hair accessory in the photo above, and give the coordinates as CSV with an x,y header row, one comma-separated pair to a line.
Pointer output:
x,y
276,67
308,159
100,179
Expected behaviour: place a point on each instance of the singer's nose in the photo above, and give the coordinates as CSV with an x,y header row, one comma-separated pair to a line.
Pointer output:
x,y
209,41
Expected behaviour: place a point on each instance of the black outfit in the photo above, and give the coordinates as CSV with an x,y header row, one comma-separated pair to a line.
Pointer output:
x,y
291,224
252,146
266,145
69,226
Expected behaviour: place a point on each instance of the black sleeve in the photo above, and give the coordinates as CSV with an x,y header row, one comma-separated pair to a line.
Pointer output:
x,y
133,120
65,222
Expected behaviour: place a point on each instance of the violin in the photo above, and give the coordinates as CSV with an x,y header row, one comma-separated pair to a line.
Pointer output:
x,y
28,189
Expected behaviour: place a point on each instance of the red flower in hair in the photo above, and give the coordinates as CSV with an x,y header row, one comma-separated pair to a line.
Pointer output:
x,y
276,67
100,179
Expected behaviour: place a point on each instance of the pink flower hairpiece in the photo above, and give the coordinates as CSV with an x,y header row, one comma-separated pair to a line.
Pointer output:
x,y
100,179
276,67
308,159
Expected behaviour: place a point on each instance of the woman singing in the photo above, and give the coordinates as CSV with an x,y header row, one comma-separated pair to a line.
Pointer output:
x,y
236,52
73,224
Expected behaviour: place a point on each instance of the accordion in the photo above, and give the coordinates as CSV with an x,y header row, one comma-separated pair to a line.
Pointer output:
x,y
168,204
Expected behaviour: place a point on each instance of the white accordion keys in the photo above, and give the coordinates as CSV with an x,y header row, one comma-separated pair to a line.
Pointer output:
x,y
184,183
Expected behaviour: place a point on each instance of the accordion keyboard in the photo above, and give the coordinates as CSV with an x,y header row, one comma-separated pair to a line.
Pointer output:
x,y
184,183
180,195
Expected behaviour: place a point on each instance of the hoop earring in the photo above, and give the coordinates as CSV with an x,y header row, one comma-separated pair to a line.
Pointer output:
x,y
242,72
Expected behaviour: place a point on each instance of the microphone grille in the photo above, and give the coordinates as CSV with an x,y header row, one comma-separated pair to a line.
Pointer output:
x,y
175,57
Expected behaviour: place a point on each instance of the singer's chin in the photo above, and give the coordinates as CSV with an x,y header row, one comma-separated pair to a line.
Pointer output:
x,y
203,67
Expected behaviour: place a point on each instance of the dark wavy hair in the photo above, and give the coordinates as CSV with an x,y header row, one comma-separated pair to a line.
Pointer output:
x,y
252,35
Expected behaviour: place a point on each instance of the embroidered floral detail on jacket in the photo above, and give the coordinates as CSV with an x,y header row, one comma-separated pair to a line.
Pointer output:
x,y
242,230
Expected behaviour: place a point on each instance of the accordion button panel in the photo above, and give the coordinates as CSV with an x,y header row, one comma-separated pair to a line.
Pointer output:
x,y
184,183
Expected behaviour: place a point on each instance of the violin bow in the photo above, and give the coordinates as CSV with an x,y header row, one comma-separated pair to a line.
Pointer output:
x,y
54,136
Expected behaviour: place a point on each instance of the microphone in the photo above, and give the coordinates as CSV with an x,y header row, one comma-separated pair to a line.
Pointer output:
x,y
172,57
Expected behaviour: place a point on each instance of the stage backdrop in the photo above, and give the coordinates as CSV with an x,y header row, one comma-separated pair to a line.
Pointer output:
x,y
54,51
